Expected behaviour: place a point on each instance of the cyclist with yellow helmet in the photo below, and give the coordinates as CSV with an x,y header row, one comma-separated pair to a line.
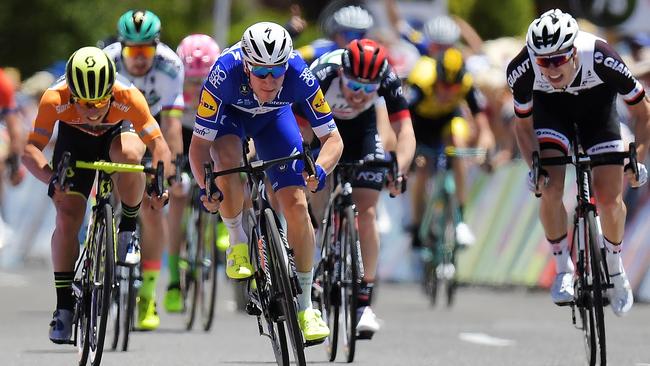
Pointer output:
x,y
438,88
101,116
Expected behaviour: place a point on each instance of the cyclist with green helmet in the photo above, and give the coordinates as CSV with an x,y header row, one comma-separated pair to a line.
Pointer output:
x,y
101,116
157,71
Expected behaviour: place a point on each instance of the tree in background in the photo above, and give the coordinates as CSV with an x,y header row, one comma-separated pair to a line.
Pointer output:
x,y
495,18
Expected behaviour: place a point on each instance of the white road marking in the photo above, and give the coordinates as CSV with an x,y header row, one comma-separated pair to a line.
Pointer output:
x,y
485,339
12,280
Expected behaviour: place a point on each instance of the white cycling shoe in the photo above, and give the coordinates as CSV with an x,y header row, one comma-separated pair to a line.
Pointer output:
x,y
464,235
620,296
562,289
368,324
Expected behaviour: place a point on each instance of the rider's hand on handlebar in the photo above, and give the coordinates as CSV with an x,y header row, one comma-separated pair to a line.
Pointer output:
x,y
317,182
213,203
55,190
643,175
396,186
158,202
542,181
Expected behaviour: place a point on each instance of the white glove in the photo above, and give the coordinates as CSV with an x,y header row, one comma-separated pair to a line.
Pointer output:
x,y
643,176
531,183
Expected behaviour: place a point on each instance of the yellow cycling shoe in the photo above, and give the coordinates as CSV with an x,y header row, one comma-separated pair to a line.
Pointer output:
x,y
238,265
314,329
148,318
173,301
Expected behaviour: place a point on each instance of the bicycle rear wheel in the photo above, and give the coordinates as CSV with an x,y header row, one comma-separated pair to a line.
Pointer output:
x,y
101,281
128,304
285,283
115,310
350,280
599,282
81,316
206,260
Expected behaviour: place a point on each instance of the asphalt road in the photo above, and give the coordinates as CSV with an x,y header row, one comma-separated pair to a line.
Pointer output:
x,y
485,327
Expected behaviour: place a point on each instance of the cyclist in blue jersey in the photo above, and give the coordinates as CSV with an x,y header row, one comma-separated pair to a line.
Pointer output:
x,y
346,24
249,92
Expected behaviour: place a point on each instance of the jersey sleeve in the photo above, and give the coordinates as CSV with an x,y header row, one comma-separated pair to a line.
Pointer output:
x,y
7,95
214,93
393,93
140,116
474,98
45,120
172,99
520,76
310,97
414,36
609,66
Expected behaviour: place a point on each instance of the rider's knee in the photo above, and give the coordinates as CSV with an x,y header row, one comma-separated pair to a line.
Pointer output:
x,y
69,219
296,211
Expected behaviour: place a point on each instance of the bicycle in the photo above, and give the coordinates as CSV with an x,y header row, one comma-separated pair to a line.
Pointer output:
x,y
587,246
273,288
437,230
198,259
338,275
94,272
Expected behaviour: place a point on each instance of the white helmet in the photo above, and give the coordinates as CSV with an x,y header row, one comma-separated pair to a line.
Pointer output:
x,y
442,30
350,17
551,32
266,43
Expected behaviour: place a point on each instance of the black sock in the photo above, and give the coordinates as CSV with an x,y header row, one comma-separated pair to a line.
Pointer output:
x,y
63,285
461,212
365,293
129,217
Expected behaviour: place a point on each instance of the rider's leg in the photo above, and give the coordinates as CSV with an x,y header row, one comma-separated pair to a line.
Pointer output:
x,y
366,201
128,148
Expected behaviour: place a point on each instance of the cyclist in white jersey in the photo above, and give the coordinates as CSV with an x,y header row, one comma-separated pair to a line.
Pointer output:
x,y
157,71
561,77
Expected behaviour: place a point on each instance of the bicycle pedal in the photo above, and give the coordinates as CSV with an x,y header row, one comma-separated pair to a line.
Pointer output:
x,y
315,342
562,304
365,335
253,309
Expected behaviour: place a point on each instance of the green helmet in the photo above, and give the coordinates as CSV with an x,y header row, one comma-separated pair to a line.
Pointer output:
x,y
138,26
90,74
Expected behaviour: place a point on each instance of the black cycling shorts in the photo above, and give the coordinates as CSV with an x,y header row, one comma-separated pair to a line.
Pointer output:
x,y
433,132
593,111
86,147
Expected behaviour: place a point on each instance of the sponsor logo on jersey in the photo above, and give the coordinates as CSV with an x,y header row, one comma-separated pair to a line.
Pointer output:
x,y
518,71
319,104
308,77
617,66
244,89
208,106
217,76
367,176
201,131
122,107
598,57
62,108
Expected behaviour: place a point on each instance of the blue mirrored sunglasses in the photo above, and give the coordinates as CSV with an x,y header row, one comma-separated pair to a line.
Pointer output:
x,y
262,71
357,85
352,35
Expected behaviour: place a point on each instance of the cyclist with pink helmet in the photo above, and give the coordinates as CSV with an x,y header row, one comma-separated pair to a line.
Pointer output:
x,y
198,52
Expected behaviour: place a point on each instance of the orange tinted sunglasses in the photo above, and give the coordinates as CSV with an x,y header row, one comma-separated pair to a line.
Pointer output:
x,y
146,51
101,103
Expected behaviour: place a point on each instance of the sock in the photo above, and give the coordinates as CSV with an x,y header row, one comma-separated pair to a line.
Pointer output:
x,y
304,299
63,285
614,260
563,262
236,234
365,293
150,272
172,264
461,213
129,217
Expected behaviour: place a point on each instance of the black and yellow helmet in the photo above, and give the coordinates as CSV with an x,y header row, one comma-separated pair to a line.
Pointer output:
x,y
450,66
90,74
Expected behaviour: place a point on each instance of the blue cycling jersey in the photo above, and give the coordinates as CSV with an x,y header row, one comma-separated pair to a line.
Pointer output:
x,y
227,92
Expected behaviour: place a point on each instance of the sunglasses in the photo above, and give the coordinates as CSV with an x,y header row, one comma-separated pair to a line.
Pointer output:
x,y
352,35
262,71
357,85
101,103
555,60
146,51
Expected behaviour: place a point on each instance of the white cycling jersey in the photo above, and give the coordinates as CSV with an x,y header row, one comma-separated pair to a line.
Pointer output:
x,y
162,86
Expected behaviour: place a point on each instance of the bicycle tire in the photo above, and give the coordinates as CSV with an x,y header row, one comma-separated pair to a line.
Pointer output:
x,y
129,307
583,299
104,254
281,267
187,266
450,245
328,297
81,326
350,280
599,280
207,263
114,312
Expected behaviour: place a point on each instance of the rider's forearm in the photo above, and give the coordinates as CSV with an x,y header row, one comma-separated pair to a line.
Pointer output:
x,y
330,153
15,131
526,139
641,113
172,130
36,163
405,144
160,152
198,155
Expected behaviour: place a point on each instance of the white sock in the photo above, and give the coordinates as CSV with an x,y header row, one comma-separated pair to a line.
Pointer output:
x,y
304,299
614,260
563,262
235,230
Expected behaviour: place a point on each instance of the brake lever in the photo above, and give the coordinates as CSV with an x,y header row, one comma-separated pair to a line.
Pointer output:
x,y
310,167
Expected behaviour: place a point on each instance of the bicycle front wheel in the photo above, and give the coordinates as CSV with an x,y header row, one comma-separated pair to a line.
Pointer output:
x,y
283,275
350,280
187,265
101,281
206,259
598,285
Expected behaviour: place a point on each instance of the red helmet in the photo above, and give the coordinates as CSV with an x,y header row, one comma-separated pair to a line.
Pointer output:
x,y
366,60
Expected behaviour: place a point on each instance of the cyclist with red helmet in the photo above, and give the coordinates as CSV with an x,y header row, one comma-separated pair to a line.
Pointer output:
x,y
354,79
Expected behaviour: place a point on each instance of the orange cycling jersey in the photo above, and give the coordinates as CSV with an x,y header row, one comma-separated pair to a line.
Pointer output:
x,y
127,103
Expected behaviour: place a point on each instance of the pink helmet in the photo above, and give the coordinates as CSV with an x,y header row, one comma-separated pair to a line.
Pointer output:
x,y
198,53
